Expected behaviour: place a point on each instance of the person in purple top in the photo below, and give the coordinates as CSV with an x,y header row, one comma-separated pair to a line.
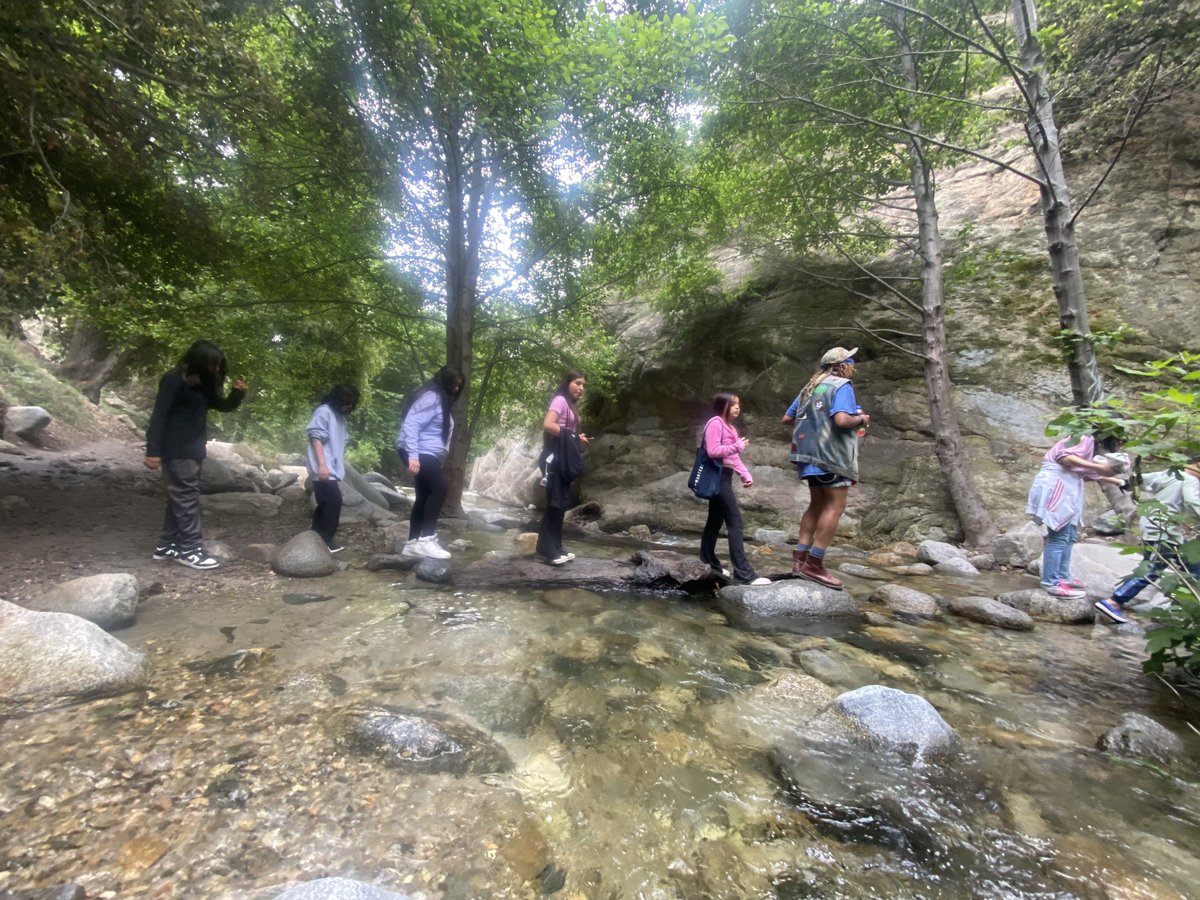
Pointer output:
x,y
424,440
562,462
722,443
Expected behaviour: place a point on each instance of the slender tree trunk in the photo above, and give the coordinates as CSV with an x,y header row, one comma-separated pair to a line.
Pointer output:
x,y
973,516
460,315
1087,387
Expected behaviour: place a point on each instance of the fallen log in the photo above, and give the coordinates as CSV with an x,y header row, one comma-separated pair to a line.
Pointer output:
x,y
647,570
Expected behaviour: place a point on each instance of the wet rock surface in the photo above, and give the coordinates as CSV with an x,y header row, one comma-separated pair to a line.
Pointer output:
x,y
652,570
109,601
792,599
1039,605
1139,737
426,742
991,612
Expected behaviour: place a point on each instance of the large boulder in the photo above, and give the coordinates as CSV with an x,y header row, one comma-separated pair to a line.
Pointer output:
x,y
1017,546
26,422
934,552
45,655
109,601
218,476
304,556
892,720
991,612
1040,605
1100,566
790,599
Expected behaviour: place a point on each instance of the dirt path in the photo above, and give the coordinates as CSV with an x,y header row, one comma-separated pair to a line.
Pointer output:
x,y
71,511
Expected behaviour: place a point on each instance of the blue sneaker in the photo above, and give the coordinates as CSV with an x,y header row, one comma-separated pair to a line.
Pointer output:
x,y
1112,609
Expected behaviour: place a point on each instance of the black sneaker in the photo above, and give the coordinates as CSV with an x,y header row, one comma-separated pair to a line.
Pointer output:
x,y
165,551
196,559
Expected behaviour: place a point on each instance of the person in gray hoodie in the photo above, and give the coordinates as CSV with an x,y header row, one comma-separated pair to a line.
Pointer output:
x,y
327,459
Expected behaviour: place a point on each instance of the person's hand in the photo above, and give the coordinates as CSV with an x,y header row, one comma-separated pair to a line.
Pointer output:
x,y
414,465
584,439
743,443
866,420
152,462
747,484
240,385
323,473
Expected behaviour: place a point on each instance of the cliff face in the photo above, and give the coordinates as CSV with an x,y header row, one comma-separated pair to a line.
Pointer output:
x,y
1138,238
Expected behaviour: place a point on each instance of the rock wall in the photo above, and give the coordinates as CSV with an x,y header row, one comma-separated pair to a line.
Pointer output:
x,y
1138,239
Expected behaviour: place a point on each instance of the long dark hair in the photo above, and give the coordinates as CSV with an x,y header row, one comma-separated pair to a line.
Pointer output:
x,y
204,363
447,383
564,386
341,395
721,404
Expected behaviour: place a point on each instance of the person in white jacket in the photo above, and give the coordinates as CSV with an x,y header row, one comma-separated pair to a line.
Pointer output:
x,y
1176,497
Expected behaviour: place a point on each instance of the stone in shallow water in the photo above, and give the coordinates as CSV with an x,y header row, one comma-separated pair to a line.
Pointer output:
x,y
905,600
299,599
337,889
108,600
1040,605
791,598
426,742
1140,737
304,556
991,612
234,663
896,720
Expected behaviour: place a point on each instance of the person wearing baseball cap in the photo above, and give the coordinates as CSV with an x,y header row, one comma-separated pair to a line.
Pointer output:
x,y
828,423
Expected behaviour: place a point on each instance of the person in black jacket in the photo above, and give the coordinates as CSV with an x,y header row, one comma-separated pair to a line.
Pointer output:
x,y
561,440
175,443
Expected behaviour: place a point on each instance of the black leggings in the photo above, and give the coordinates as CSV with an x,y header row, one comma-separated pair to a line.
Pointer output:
x,y
431,494
724,508
328,513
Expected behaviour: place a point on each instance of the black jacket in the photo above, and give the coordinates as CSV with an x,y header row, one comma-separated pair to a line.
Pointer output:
x,y
178,425
564,467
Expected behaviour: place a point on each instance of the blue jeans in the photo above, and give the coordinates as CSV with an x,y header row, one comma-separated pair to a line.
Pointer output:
x,y
1156,558
1056,555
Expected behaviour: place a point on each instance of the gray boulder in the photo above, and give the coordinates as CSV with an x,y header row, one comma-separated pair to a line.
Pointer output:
x,y
304,556
109,601
44,655
790,599
1017,547
934,552
893,720
337,889
1040,605
219,476
26,422
991,612
904,600
365,488
1140,737
963,568
435,571
861,571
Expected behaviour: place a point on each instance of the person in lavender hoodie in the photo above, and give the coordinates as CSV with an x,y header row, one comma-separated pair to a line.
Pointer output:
x,y
423,442
721,443
327,438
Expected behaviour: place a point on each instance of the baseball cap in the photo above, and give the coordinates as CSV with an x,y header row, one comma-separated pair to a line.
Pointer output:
x,y
837,355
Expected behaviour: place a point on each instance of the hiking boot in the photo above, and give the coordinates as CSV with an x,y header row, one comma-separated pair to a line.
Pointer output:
x,y
799,558
196,559
1112,609
165,551
813,569
1063,591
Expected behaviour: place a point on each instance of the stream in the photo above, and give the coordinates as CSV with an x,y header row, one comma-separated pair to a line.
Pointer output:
x,y
657,750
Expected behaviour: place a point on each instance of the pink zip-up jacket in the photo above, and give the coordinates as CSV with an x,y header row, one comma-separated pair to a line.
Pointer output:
x,y
721,442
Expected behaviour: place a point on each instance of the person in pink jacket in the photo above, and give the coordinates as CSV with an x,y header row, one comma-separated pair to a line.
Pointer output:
x,y
723,445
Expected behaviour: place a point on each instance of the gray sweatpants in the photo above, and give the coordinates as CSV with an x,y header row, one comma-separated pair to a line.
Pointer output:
x,y
181,524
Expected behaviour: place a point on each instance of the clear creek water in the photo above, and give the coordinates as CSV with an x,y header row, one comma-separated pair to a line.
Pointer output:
x,y
658,750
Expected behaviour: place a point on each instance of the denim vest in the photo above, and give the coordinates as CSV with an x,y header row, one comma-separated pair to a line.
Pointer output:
x,y
817,440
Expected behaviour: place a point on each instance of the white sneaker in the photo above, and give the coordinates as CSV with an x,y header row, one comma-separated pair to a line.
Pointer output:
x,y
562,560
433,549
760,580
415,547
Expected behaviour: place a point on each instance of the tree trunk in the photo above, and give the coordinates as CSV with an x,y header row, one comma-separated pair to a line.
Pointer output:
x,y
1087,387
973,516
90,362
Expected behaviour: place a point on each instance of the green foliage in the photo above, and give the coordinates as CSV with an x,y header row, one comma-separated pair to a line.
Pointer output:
x,y
24,381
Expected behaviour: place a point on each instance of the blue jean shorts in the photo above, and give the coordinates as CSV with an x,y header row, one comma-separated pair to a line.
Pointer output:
x,y
828,480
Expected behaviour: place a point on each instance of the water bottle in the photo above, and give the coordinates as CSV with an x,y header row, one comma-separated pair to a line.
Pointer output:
x,y
861,430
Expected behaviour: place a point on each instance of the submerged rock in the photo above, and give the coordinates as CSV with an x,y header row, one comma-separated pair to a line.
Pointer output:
x,y
991,612
893,720
337,889
44,655
234,663
426,742
435,571
109,601
1140,737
